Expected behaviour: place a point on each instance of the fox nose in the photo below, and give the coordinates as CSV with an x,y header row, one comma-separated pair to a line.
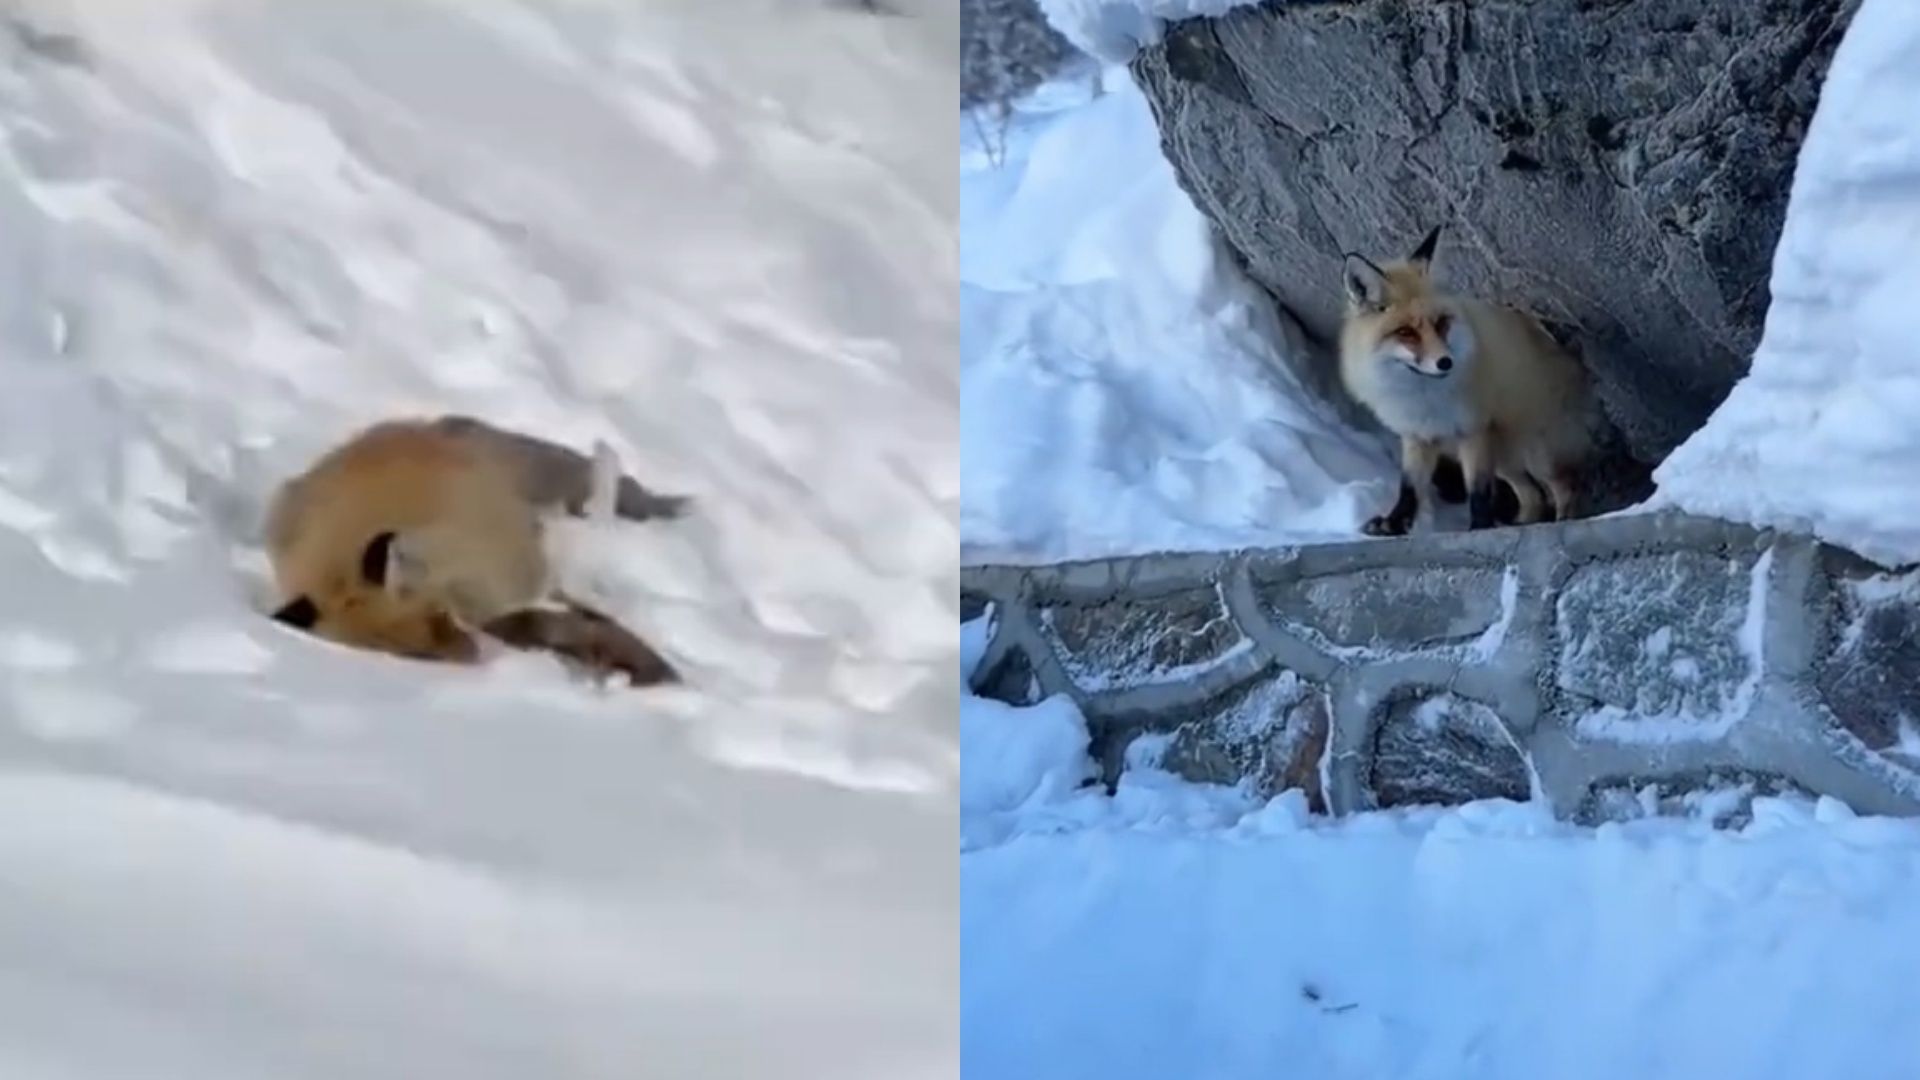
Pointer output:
x,y
1445,363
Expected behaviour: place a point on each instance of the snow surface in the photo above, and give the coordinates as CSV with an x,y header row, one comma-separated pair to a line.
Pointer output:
x,y
720,239
1121,385
1113,30
1179,929
1821,436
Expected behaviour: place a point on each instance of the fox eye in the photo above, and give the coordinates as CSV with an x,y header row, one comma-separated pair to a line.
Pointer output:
x,y
1408,334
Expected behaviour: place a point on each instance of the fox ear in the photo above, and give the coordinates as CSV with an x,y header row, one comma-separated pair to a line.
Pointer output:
x,y
375,557
298,613
1366,283
1424,253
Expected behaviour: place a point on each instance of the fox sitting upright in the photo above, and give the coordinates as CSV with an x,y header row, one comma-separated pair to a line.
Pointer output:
x,y
414,536
1457,377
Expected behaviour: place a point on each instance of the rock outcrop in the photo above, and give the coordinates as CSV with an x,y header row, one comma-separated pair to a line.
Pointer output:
x,y
1620,167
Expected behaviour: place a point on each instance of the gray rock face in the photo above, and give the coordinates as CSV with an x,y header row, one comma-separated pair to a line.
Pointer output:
x,y
1436,748
1655,637
1619,167
1118,642
1870,676
1391,607
1272,731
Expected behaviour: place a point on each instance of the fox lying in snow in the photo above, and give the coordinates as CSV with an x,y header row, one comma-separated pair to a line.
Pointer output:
x,y
416,535
1458,377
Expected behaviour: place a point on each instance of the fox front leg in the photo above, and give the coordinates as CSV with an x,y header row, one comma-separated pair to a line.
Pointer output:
x,y
1417,457
1478,453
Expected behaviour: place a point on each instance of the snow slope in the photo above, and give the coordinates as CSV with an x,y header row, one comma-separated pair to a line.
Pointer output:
x,y
1122,388
1177,929
1821,436
723,241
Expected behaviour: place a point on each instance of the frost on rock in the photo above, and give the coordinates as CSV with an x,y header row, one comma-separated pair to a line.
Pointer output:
x,y
1120,644
1658,646
1722,797
1434,747
1270,732
1390,609
1870,679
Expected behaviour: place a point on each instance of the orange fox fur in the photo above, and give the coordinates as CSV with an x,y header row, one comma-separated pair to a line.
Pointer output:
x,y
414,536
1454,376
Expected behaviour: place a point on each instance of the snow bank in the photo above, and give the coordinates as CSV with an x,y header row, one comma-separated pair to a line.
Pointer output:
x,y
1121,385
723,241
1113,30
1009,756
1821,436
1181,930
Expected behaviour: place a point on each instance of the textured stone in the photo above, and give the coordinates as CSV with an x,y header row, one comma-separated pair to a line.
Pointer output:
x,y
1432,747
1621,168
1271,732
1721,796
1009,679
1122,643
1655,638
1390,608
1870,678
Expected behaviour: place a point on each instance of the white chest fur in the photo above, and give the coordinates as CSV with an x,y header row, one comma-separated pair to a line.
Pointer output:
x,y
1410,403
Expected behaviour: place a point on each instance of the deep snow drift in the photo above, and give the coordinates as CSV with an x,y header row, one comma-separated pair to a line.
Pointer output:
x,y
1120,386
1178,929
724,242
1821,435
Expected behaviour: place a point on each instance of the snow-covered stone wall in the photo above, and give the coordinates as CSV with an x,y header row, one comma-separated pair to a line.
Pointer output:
x,y
1640,664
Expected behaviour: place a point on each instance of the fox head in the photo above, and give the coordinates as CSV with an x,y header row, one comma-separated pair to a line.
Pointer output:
x,y
1408,321
375,605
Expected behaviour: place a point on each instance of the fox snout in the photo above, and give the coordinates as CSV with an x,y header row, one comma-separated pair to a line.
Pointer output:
x,y
1433,366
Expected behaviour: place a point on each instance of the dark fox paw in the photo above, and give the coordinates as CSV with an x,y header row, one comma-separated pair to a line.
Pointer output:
x,y
1386,525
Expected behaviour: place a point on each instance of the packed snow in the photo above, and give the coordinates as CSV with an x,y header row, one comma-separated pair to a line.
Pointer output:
x,y
722,240
1123,386
1820,436
1181,929
1113,30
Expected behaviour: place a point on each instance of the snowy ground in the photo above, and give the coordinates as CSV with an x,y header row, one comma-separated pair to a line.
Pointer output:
x,y
1120,386
235,231
1821,436
1177,929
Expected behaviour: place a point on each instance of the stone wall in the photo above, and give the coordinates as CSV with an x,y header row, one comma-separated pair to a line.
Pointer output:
x,y
1639,664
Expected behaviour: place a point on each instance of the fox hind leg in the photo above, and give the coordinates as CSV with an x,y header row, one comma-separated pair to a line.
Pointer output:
x,y
586,637
1532,504
1560,481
